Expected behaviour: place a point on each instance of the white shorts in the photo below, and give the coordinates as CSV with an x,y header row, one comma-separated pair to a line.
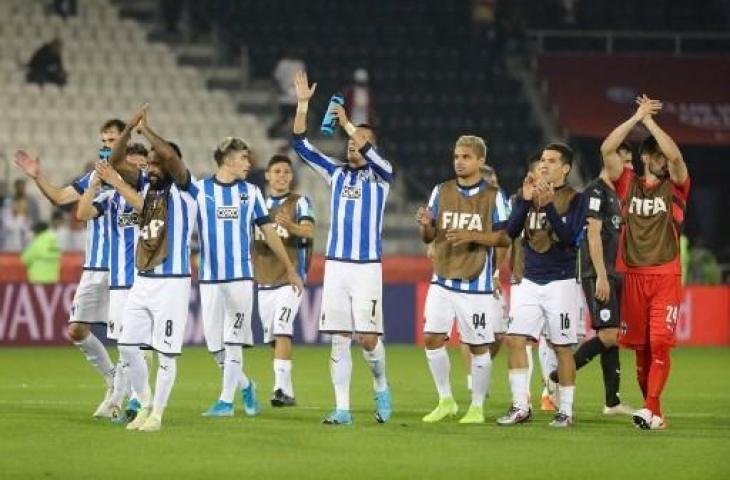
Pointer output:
x,y
226,310
352,298
497,313
277,309
117,301
471,311
156,313
552,309
91,300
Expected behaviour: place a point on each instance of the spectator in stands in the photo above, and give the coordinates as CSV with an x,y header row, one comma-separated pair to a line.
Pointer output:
x,y
46,66
42,258
18,214
359,99
64,8
285,69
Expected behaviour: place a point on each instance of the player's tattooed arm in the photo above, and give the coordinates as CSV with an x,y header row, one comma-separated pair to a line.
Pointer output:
x,y
31,167
169,157
87,209
595,249
304,93
112,177
675,162
128,172
426,224
609,147
275,244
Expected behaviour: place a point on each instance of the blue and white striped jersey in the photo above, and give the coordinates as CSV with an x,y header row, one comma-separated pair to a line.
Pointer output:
x,y
181,211
96,256
304,211
500,214
226,215
357,201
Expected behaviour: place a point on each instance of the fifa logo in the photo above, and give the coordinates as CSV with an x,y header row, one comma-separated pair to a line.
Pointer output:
x,y
351,191
461,221
647,207
536,220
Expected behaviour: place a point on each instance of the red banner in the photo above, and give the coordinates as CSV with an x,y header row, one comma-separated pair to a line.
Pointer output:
x,y
595,93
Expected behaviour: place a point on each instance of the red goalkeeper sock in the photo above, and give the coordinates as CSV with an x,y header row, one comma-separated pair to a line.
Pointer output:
x,y
643,363
658,375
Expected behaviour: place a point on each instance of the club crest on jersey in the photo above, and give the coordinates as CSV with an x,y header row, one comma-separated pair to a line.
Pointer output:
x,y
127,219
244,197
461,221
647,207
226,213
351,191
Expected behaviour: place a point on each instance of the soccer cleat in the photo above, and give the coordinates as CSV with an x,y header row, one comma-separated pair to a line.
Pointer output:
x,y
562,420
620,409
248,398
105,408
139,419
514,416
220,409
447,407
657,423
121,417
338,417
383,406
642,418
281,399
475,414
547,404
152,424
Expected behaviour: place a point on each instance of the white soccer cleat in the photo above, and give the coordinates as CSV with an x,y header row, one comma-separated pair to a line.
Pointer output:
x,y
642,418
514,416
140,419
657,423
105,408
620,409
152,424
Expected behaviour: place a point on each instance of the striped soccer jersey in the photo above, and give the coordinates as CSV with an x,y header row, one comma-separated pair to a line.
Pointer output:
x,y
500,214
357,201
226,214
96,256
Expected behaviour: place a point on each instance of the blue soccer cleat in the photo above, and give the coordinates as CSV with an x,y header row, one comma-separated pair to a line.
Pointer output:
x,y
220,409
248,398
338,417
383,406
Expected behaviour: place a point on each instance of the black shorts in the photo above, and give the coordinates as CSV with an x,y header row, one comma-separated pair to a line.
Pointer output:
x,y
603,315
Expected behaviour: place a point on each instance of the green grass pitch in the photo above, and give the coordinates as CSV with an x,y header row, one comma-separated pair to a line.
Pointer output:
x,y
46,430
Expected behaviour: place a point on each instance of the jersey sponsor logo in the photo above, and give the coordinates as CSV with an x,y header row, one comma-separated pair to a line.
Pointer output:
x,y
594,204
226,213
461,221
129,219
647,207
352,192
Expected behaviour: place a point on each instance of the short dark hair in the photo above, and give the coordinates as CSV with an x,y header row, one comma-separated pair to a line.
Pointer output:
x,y
566,153
278,158
649,146
136,149
228,145
624,146
368,126
113,123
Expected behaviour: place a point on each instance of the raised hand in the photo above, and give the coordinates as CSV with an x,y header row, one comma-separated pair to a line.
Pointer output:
x,y
339,112
647,107
139,116
31,166
529,187
301,85
424,217
545,193
107,173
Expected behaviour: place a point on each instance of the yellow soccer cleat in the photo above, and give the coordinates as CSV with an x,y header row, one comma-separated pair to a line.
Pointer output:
x,y
152,424
447,407
475,414
140,419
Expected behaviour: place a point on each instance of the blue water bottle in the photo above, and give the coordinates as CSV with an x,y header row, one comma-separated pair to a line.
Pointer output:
x,y
105,153
329,122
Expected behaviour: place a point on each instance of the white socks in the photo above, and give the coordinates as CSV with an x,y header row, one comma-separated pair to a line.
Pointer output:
x,y
518,385
166,373
440,366
121,383
341,370
220,359
232,372
137,372
376,362
282,376
481,372
548,359
98,357
566,399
